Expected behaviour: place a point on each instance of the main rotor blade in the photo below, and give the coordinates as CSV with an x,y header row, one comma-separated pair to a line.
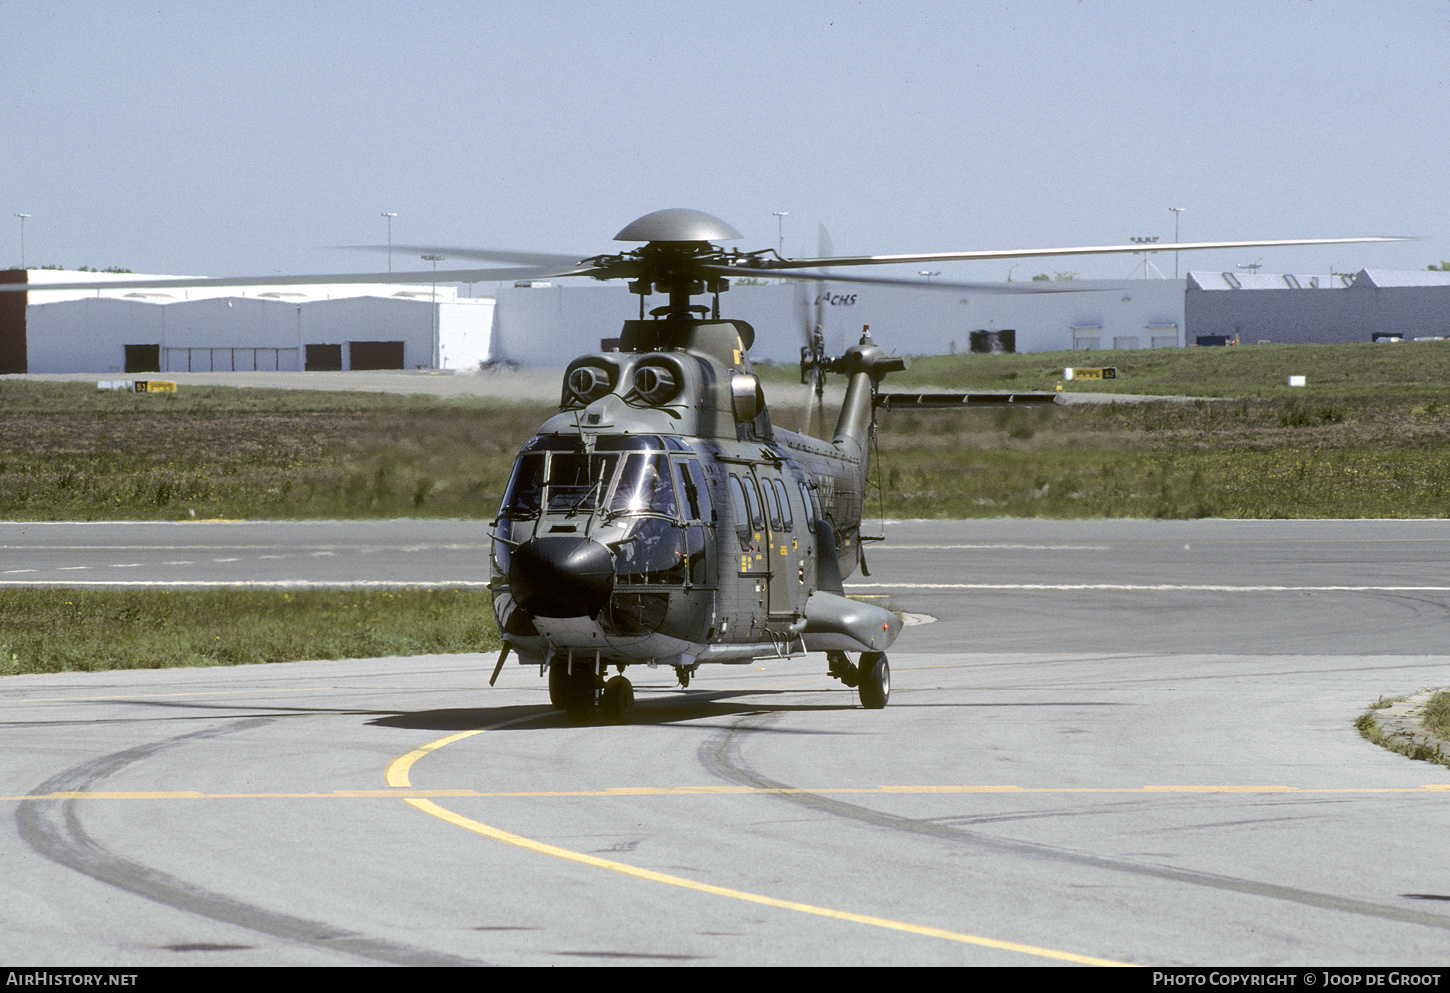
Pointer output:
x,y
552,259
1033,253
820,277
414,278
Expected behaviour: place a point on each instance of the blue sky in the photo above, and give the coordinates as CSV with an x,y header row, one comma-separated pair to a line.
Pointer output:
x,y
245,138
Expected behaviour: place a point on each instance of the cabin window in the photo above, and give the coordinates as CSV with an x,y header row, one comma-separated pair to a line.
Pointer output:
x,y
781,493
757,522
737,496
810,506
772,504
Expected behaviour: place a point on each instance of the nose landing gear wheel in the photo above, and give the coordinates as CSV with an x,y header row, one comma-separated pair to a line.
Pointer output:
x,y
617,701
875,686
558,686
581,689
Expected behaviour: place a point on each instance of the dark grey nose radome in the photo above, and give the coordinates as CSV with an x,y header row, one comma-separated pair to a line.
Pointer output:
x,y
564,576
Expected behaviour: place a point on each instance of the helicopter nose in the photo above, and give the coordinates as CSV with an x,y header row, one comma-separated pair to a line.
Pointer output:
x,y
561,576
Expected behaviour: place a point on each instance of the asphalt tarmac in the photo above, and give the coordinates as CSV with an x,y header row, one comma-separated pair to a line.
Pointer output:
x,y
1107,742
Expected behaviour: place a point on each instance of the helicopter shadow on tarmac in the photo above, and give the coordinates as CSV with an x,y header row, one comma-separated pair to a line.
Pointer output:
x,y
679,707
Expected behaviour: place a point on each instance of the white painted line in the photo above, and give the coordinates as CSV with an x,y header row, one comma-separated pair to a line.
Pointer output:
x,y
892,547
1155,587
280,584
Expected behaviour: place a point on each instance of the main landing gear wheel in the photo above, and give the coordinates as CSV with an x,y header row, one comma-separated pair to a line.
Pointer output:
x,y
875,686
617,700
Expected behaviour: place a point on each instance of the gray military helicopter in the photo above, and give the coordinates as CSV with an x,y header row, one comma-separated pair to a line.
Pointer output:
x,y
660,518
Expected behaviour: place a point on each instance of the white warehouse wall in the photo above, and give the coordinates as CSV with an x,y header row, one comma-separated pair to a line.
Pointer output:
x,y
260,328
548,325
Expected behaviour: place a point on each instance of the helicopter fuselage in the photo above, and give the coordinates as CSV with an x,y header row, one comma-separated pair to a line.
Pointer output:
x,y
660,518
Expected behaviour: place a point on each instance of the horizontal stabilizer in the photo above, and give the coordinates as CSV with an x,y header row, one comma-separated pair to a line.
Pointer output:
x,y
922,401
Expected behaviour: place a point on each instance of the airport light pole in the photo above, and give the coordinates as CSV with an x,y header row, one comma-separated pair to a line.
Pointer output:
x,y
435,259
390,238
22,238
928,273
780,230
1148,239
1176,212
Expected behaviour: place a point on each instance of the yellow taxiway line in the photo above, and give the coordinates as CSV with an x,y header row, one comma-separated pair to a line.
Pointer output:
x,y
397,775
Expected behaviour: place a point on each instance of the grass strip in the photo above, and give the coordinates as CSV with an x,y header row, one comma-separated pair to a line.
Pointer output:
x,y
1434,718
61,630
1437,715
1370,437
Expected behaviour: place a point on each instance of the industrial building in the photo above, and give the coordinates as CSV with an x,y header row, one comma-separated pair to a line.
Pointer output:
x,y
1373,304
239,328
537,324
355,326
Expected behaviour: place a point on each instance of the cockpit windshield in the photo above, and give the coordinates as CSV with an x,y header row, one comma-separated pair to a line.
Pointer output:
x,y
568,483
579,483
645,486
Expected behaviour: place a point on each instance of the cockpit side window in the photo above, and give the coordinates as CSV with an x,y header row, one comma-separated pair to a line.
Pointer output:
x,y
526,487
690,503
702,490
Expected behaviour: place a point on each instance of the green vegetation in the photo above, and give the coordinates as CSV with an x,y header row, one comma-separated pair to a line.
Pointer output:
x,y
1369,437
1435,718
71,452
1407,370
1246,459
1437,715
57,630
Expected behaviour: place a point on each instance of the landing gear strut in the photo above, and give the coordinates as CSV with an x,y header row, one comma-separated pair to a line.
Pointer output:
x,y
580,691
842,669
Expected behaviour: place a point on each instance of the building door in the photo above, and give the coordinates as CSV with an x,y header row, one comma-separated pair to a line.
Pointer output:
x,y
143,358
376,355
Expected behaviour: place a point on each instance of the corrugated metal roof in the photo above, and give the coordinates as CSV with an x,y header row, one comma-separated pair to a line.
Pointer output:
x,y
1268,281
1406,277
291,293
